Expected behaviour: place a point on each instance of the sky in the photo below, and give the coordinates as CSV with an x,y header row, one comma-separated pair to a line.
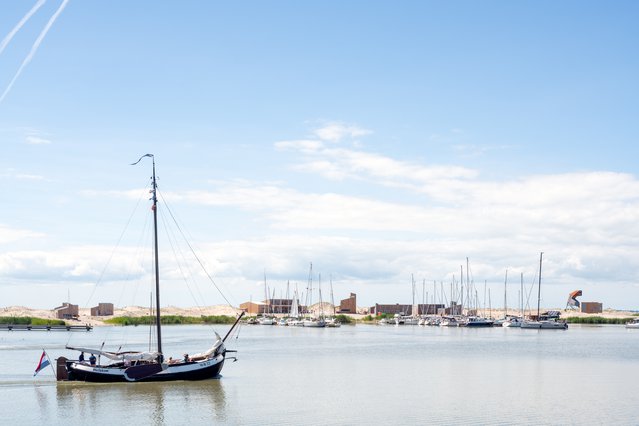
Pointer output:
x,y
382,142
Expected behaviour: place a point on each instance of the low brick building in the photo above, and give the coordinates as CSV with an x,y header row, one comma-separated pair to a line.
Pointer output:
x,y
591,307
102,310
253,308
390,309
67,311
348,306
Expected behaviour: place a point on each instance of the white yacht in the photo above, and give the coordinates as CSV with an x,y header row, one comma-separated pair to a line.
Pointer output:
x,y
633,324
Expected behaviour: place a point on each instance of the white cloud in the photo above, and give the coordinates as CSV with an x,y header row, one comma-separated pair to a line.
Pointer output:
x,y
305,146
336,131
11,235
393,219
36,140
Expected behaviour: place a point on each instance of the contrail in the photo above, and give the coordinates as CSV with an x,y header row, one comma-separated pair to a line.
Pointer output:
x,y
23,21
34,48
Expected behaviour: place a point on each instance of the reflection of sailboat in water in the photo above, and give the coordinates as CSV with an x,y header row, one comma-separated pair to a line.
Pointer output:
x,y
134,366
154,400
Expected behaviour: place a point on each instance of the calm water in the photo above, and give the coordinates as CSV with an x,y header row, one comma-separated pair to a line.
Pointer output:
x,y
361,374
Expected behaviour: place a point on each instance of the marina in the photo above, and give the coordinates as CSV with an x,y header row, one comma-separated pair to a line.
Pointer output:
x,y
414,375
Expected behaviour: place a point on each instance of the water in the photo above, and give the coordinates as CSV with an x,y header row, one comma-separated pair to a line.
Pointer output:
x,y
362,374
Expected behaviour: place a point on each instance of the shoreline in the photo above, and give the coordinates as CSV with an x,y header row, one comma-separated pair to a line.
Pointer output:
x,y
85,317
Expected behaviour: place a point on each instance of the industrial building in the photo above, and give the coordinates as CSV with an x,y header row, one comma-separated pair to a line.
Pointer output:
x,y
422,309
591,307
348,306
102,310
67,311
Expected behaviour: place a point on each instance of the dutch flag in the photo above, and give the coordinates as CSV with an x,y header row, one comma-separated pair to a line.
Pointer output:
x,y
44,362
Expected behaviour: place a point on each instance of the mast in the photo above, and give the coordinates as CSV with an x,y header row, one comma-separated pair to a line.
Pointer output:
x,y
505,298
461,288
157,266
155,248
522,296
332,299
412,308
541,255
424,297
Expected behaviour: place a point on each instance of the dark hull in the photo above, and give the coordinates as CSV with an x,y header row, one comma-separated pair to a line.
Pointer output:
x,y
77,374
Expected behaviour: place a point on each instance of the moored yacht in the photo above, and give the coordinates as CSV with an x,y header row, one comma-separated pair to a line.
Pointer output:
x,y
477,322
633,324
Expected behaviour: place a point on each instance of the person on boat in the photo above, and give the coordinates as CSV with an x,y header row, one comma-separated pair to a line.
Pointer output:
x,y
186,358
92,360
81,357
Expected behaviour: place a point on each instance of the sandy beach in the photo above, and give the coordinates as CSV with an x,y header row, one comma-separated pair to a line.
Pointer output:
x,y
132,311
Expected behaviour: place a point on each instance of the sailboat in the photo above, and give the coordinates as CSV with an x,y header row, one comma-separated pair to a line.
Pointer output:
x,y
315,322
266,318
543,323
294,315
515,321
333,322
132,366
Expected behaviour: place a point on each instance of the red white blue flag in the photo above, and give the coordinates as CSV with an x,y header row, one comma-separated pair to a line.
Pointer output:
x,y
44,362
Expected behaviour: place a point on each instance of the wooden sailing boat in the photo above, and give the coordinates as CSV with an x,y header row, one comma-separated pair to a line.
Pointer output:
x,y
131,366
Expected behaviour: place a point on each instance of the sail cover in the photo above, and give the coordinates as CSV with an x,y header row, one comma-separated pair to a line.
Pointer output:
x,y
120,356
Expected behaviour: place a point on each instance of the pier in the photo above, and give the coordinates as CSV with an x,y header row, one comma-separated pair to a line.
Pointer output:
x,y
29,327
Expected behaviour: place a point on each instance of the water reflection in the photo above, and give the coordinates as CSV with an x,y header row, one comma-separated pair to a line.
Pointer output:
x,y
152,403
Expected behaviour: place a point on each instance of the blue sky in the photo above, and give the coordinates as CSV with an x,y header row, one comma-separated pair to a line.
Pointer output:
x,y
375,139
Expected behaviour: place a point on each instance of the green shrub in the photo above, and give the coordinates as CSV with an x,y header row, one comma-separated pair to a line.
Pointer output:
x,y
171,320
344,319
597,320
30,321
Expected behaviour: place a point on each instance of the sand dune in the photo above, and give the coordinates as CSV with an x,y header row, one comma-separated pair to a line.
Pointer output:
x,y
132,311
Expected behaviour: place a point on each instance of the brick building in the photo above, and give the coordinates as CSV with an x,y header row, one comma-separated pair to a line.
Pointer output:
x,y
102,310
67,311
348,306
591,307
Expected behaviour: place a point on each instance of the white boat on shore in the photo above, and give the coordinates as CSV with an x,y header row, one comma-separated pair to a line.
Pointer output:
x,y
449,322
406,320
314,322
633,324
266,321
512,322
545,325
333,322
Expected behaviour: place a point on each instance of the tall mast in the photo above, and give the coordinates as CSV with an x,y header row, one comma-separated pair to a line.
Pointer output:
x,y
332,299
461,288
541,255
522,295
505,297
155,248
157,266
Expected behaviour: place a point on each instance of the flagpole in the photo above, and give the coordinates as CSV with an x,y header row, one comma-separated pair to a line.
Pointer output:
x,y
55,374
